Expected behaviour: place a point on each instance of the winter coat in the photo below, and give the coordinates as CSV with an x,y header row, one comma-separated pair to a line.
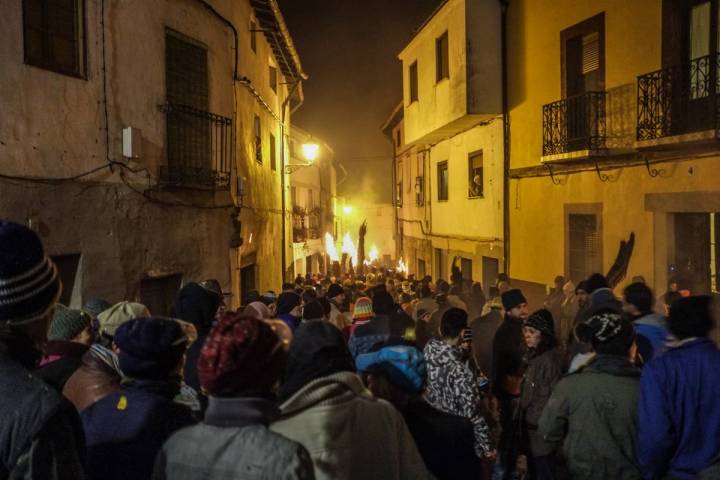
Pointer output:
x,y
40,435
445,441
652,334
349,434
60,361
679,411
290,320
508,352
233,442
337,317
453,387
595,411
542,373
126,429
368,334
483,332
94,380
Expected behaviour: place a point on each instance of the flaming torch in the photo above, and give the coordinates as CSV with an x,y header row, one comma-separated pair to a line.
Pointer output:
x,y
401,267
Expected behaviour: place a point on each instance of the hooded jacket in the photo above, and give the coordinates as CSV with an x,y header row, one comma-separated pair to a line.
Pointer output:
x,y
349,434
595,411
679,411
652,335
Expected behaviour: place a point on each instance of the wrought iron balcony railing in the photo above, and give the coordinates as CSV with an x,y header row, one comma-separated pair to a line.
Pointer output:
x,y
574,123
679,100
199,147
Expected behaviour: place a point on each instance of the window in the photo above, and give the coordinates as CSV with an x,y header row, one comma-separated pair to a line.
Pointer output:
x,y
273,79
442,62
54,35
413,78
442,175
397,138
584,246
583,52
253,39
419,191
475,174
258,141
399,195
273,150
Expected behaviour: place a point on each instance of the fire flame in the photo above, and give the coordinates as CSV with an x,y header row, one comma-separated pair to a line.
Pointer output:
x,y
374,254
349,247
401,267
330,248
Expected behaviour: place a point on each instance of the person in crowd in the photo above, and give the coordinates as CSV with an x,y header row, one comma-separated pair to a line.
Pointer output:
x,y
99,375
336,297
94,307
395,371
580,351
600,297
314,312
593,412
668,299
427,302
378,329
476,300
258,311
198,306
508,369
41,436
452,386
325,407
568,312
239,367
289,309
651,327
111,319
126,429
213,286
69,337
483,331
544,370
679,411
362,314
582,296
555,297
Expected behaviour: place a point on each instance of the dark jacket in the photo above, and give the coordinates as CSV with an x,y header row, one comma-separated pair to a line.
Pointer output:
x,y
368,334
126,429
679,410
40,434
60,361
97,377
233,442
445,441
542,373
508,352
290,320
483,333
595,412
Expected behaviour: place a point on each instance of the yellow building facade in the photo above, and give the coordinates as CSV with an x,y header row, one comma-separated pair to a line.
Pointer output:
x,y
612,110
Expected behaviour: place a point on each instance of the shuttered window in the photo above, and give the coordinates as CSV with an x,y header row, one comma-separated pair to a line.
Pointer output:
x,y
475,174
54,36
442,57
258,140
273,152
413,80
585,246
443,180
590,53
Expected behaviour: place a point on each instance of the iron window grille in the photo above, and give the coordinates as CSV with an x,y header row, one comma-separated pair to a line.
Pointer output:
x,y
199,147
575,123
679,99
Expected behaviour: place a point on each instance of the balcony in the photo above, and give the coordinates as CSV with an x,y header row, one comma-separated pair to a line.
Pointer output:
x,y
199,148
300,229
575,127
679,104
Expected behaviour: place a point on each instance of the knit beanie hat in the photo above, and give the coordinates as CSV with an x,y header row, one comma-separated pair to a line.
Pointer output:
x,y
287,301
542,320
363,310
29,280
513,298
95,306
257,310
335,290
241,356
112,318
611,333
382,303
402,365
150,348
313,311
67,323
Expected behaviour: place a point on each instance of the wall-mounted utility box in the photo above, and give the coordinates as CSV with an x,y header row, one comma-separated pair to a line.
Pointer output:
x,y
131,138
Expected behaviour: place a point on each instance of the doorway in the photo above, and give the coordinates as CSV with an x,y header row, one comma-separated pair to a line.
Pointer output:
x,y
490,270
247,281
694,259
158,294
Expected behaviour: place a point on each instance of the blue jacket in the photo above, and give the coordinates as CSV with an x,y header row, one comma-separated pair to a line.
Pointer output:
x,y
679,411
652,335
125,430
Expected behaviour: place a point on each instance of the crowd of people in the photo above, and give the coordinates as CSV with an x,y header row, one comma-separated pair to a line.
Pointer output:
x,y
374,376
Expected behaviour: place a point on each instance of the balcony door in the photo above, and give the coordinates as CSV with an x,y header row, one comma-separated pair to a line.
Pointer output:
x,y
700,60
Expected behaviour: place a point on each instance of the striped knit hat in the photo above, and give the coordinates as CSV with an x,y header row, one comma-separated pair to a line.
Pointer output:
x,y
363,310
29,281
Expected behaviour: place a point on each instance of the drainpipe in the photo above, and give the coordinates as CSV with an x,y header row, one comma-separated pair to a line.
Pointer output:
x,y
504,4
283,208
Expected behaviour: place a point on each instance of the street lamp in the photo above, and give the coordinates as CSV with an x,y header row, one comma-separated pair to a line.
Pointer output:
x,y
347,209
310,152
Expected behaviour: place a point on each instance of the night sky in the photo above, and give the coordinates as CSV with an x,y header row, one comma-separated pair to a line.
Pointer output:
x,y
349,49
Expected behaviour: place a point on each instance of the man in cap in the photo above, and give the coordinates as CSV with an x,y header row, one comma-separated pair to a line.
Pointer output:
x,y
40,435
126,429
336,296
111,319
